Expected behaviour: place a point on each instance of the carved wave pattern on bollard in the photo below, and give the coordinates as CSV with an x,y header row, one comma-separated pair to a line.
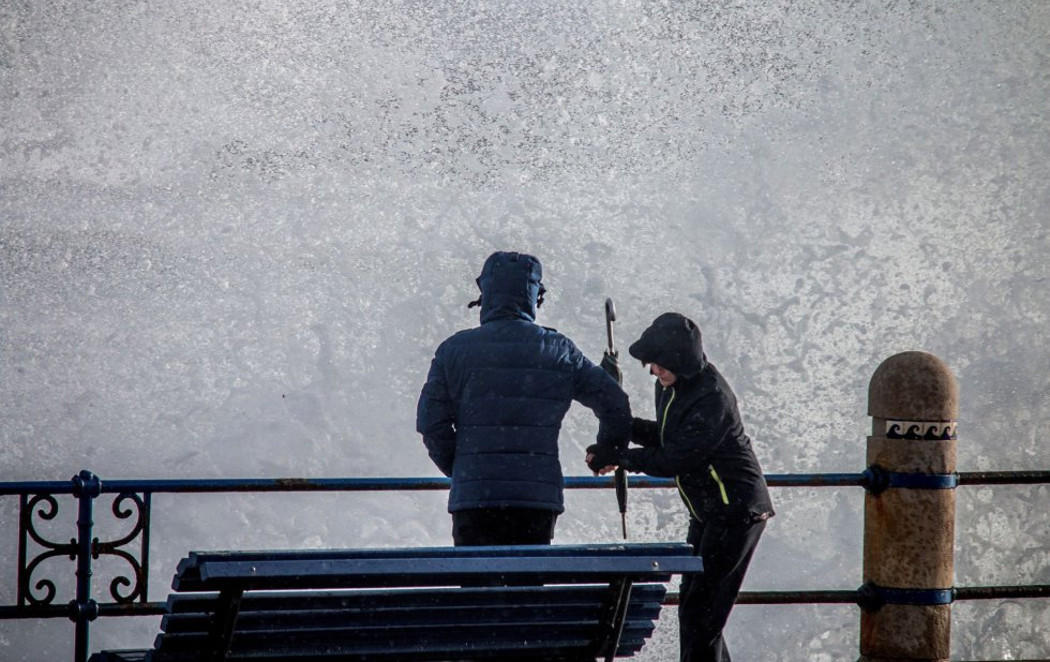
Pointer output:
x,y
935,430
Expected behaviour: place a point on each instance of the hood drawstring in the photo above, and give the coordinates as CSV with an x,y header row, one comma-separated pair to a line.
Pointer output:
x,y
539,298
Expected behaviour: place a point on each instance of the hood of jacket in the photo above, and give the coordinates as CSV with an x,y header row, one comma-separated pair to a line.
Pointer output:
x,y
673,342
510,286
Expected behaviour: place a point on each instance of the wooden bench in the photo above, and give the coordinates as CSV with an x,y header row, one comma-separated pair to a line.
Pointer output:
x,y
557,602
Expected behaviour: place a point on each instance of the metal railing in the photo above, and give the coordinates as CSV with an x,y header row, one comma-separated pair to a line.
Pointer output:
x,y
37,597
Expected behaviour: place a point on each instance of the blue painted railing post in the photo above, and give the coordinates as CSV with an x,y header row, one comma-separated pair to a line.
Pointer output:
x,y
83,610
909,511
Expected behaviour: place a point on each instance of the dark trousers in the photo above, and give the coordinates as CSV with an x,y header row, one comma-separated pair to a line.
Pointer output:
x,y
707,598
503,526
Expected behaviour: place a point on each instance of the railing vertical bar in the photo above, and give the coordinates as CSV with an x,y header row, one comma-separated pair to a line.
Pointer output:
x,y
23,535
84,609
147,500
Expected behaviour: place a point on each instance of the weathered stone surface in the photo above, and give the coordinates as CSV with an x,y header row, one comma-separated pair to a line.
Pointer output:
x,y
914,386
907,633
909,538
912,456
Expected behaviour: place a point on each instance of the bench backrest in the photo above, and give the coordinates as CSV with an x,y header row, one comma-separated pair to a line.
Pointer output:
x,y
563,602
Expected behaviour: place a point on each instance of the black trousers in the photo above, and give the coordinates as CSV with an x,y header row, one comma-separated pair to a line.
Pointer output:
x,y
707,598
503,526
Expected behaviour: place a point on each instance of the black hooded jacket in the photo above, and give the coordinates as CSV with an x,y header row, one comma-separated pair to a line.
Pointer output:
x,y
697,437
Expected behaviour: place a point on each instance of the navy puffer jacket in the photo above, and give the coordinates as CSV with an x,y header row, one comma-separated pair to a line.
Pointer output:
x,y
495,396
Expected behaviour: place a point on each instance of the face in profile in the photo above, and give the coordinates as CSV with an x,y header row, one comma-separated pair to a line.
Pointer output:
x,y
665,376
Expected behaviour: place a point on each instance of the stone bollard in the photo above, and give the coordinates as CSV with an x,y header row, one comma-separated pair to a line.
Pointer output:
x,y
909,512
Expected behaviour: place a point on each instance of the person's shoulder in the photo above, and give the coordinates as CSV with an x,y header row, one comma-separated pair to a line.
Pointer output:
x,y
711,389
715,378
553,335
706,384
460,337
551,331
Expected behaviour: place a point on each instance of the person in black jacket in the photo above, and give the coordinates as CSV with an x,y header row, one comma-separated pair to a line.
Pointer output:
x,y
492,407
699,440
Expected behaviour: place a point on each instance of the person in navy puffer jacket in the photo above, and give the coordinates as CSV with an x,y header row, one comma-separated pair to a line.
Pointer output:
x,y
492,407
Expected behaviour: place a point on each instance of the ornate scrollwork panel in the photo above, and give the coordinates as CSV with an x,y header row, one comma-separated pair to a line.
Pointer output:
x,y
35,547
45,508
139,565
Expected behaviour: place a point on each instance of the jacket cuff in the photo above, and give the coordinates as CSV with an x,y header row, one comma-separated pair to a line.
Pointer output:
x,y
642,432
624,461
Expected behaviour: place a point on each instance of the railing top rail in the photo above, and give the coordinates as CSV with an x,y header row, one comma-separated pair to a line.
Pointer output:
x,y
119,486
406,483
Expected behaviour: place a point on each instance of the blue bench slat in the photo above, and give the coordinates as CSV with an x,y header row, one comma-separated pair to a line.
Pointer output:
x,y
597,549
570,653
120,656
455,639
266,620
553,604
188,568
550,654
380,598
352,573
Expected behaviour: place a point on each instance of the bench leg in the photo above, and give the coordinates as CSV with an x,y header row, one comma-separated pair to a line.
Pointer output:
x,y
221,635
610,627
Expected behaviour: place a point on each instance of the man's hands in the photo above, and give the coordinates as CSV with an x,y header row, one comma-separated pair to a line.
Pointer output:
x,y
603,459
611,364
